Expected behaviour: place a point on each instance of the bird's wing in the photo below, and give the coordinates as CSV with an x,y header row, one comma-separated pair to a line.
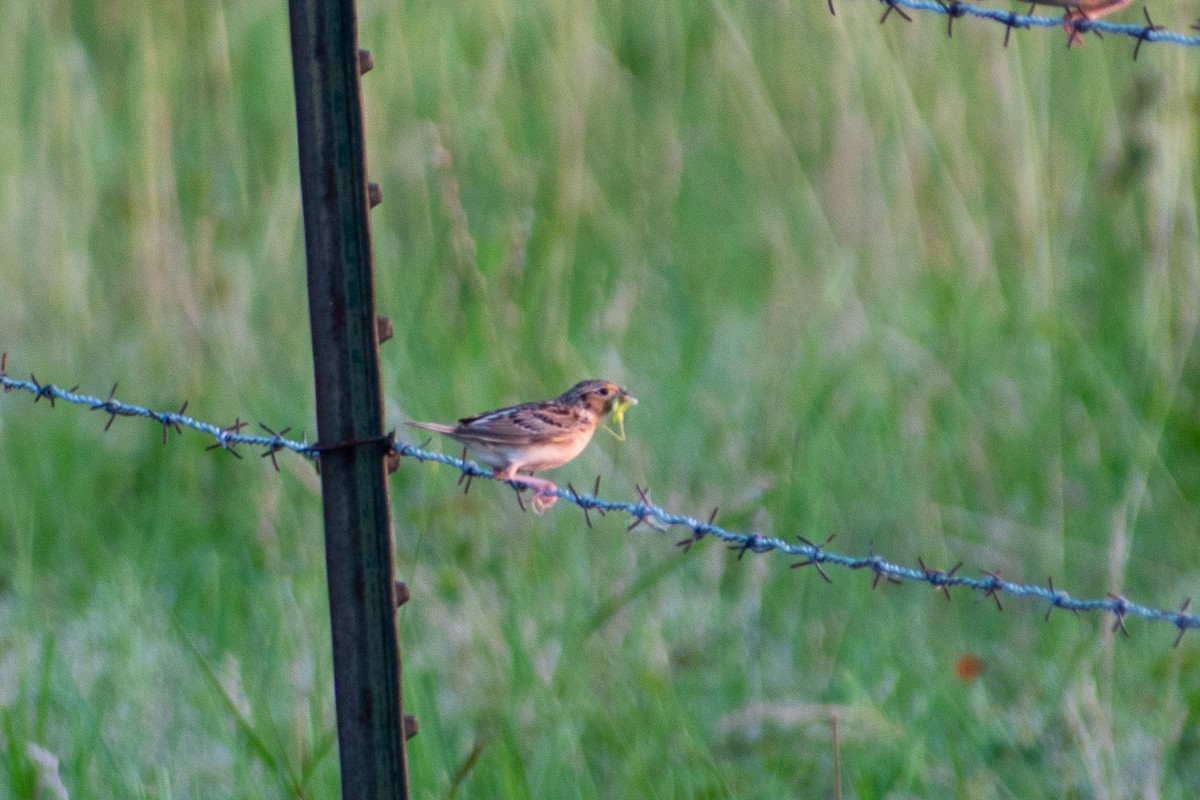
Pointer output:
x,y
532,423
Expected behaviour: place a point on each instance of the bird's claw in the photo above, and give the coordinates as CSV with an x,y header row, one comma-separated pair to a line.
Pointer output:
x,y
544,491
1071,21
542,501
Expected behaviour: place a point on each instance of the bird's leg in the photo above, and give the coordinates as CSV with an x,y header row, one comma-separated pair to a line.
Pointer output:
x,y
543,490
1089,11
1070,19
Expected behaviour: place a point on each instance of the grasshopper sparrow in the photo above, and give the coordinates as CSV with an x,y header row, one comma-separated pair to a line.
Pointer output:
x,y
533,437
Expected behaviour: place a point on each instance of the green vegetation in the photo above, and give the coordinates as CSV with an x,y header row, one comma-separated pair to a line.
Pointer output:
x,y
938,297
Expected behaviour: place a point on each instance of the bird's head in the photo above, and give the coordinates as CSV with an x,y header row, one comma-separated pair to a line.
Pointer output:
x,y
600,397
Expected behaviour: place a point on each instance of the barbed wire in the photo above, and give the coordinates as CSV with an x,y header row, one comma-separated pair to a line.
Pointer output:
x,y
641,512
953,9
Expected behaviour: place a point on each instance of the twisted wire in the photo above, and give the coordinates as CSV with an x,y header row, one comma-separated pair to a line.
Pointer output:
x,y
1149,32
641,511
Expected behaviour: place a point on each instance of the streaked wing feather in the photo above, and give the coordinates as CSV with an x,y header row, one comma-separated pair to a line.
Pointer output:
x,y
524,424
436,427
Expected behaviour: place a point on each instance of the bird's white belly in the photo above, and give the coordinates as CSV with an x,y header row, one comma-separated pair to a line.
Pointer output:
x,y
528,458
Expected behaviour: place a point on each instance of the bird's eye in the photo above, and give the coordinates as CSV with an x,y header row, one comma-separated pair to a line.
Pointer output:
x,y
605,391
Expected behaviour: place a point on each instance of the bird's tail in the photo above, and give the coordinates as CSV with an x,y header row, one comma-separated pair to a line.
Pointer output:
x,y
436,427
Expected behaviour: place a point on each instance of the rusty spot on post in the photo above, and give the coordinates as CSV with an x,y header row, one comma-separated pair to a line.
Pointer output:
x,y
384,329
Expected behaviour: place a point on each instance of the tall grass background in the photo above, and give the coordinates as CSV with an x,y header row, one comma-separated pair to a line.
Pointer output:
x,y
934,296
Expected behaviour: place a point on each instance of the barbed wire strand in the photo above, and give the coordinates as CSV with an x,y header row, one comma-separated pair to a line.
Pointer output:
x,y
641,512
1012,20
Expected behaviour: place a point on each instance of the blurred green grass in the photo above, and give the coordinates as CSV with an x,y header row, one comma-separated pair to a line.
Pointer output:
x,y
935,296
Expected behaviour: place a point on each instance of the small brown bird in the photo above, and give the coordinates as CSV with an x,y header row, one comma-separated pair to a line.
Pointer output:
x,y
1078,10
534,437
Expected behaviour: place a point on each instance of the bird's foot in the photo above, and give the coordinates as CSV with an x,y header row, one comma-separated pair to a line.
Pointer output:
x,y
543,490
1071,21
1088,10
541,502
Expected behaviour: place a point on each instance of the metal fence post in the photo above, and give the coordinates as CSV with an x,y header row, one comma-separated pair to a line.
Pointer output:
x,y
358,543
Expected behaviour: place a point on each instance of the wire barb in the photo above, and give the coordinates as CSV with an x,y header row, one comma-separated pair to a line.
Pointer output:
x,y
596,493
645,503
1119,607
468,477
876,563
48,390
893,5
586,503
938,579
275,445
110,405
1181,621
1146,31
224,441
814,560
578,500
953,8
172,421
753,543
699,532
993,588
1013,20
879,566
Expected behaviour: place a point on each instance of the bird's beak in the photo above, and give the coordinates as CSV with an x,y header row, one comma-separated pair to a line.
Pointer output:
x,y
623,402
